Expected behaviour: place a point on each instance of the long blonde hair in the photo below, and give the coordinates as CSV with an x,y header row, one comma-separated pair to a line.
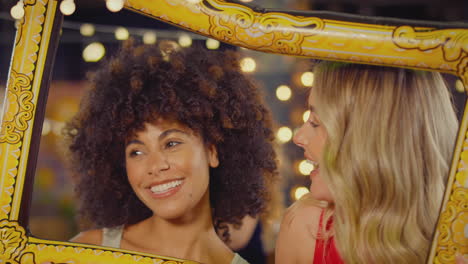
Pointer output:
x,y
391,133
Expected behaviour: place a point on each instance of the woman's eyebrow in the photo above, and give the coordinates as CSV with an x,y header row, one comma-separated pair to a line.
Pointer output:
x,y
170,131
134,141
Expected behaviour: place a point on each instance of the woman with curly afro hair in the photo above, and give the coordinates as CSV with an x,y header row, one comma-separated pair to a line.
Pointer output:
x,y
169,147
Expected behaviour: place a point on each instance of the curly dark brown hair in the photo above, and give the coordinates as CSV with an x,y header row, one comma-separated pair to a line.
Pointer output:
x,y
204,90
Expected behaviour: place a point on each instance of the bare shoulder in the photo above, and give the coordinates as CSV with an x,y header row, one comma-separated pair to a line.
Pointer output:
x,y
89,237
303,213
298,231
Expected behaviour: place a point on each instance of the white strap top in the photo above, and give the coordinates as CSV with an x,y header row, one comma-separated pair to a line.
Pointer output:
x,y
111,237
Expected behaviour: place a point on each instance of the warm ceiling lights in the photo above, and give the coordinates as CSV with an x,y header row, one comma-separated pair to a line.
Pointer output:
x,y
307,79
248,64
149,37
94,52
306,116
284,134
87,30
299,191
283,92
121,33
459,86
17,11
212,44
67,7
305,167
185,40
114,5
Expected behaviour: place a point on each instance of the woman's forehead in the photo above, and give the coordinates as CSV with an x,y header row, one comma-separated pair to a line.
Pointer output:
x,y
311,100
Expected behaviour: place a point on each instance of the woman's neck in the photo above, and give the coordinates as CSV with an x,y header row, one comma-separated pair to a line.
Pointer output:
x,y
191,236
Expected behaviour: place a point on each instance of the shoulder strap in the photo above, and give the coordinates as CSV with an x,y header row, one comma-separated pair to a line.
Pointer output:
x,y
111,237
238,260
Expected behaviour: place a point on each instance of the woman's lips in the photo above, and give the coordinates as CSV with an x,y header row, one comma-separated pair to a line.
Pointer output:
x,y
314,173
166,189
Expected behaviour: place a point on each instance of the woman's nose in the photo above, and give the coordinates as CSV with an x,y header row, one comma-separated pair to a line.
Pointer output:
x,y
157,163
299,137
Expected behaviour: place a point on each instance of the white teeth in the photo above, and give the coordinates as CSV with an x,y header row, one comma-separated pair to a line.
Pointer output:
x,y
166,186
314,163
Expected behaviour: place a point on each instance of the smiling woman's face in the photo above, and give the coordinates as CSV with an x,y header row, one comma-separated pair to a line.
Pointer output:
x,y
311,137
168,169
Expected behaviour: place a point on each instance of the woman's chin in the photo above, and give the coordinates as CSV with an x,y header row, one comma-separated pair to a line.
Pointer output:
x,y
320,194
171,213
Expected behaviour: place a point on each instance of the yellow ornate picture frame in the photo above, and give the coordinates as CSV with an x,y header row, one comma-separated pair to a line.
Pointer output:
x,y
329,36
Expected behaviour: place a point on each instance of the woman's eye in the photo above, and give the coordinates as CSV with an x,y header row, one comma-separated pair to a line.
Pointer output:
x,y
171,144
313,124
135,153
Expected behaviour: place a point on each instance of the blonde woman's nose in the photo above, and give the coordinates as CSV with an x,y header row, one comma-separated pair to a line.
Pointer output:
x,y
299,137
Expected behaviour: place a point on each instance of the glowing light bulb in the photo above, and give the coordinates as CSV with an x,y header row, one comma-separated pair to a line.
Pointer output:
x,y
459,86
87,30
305,167
46,127
284,134
306,116
57,128
94,52
248,64
185,40
283,92
114,5
121,33
212,44
67,7
17,11
149,37
299,192
307,79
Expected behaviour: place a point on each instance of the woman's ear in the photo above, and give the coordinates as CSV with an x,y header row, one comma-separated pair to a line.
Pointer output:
x,y
213,160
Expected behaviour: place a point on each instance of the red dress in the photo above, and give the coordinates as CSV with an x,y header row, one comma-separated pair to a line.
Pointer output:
x,y
325,250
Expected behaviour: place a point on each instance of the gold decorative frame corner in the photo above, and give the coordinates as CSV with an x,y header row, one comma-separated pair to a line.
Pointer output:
x,y
328,36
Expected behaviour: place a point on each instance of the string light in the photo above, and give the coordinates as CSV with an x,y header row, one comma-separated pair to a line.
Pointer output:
x,y
299,191
283,92
94,52
67,7
46,127
185,40
121,33
87,30
212,44
149,37
114,5
306,116
284,134
305,167
57,127
248,64
307,79
17,11
459,86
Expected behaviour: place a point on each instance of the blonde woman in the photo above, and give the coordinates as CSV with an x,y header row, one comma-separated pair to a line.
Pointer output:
x,y
381,139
